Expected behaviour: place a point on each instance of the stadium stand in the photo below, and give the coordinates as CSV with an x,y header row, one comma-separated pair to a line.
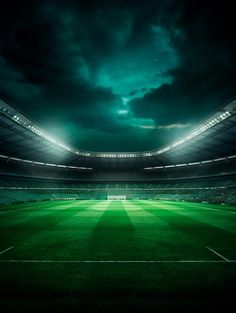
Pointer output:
x,y
200,166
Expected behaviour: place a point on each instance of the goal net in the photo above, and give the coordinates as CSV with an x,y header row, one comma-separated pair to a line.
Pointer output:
x,y
116,197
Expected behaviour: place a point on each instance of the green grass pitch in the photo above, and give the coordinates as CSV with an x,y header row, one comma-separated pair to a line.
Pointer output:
x,y
117,256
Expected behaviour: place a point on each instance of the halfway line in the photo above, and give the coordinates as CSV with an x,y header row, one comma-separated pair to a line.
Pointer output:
x,y
118,261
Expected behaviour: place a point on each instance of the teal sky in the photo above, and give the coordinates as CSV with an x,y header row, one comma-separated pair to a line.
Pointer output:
x,y
117,75
139,69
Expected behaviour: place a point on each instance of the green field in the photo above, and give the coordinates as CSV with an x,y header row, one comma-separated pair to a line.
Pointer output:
x,y
117,256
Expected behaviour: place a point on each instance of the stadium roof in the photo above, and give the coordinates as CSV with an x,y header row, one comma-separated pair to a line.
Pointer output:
x,y
23,139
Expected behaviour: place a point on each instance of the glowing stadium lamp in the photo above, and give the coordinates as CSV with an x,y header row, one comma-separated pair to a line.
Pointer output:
x,y
16,159
39,163
45,164
190,164
25,122
27,161
207,161
195,133
219,159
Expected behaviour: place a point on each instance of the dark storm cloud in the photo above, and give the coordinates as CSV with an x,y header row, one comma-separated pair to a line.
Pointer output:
x,y
77,67
46,69
203,36
189,98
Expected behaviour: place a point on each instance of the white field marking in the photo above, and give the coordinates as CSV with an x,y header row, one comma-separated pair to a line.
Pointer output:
x,y
117,261
6,249
221,256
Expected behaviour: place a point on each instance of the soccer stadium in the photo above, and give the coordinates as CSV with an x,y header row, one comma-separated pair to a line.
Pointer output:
x,y
117,157
98,224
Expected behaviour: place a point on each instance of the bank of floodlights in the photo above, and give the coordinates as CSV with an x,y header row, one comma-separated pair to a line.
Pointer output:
x,y
20,119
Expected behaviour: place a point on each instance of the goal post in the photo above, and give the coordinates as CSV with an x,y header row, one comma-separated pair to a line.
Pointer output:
x,y
116,197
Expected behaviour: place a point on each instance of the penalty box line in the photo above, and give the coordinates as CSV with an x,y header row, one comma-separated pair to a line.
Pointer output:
x,y
118,261
6,249
218,254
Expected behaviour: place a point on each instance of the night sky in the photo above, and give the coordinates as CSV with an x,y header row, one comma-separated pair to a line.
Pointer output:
x,y
117,75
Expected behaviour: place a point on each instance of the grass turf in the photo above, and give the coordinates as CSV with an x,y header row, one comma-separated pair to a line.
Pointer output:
x,y
72,231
